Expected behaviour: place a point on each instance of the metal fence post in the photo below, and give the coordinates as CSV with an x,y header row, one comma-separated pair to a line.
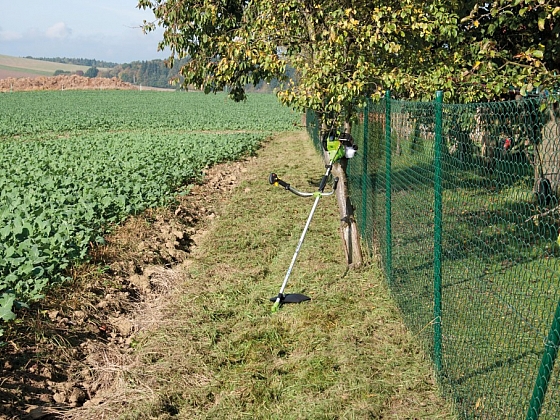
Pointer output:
x,y
389,255
365,175
545,370
437,229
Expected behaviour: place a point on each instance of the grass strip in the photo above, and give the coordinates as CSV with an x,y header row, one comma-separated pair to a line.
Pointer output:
x,y
221,354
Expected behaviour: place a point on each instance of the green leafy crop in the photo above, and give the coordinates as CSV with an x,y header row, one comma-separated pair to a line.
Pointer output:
x,y
74,164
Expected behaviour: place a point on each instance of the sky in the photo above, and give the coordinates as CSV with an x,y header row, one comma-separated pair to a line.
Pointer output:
x,y
107,30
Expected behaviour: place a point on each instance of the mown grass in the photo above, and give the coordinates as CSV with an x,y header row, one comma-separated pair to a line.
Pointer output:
x,y
222,354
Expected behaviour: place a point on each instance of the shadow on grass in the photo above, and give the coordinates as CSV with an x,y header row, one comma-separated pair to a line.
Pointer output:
x,y
499,265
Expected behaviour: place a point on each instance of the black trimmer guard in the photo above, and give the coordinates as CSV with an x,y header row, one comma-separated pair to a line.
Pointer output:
x,y
291,298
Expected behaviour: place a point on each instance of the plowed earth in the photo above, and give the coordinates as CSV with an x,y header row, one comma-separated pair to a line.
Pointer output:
x,y
9,83
67,348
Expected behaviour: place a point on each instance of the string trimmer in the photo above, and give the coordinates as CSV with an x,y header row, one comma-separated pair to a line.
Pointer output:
x,y
337,147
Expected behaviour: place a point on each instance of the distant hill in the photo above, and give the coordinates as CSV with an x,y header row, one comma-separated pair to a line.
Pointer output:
x,y
27,67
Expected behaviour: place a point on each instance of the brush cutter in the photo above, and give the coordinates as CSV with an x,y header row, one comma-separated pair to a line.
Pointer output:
x,y
337,147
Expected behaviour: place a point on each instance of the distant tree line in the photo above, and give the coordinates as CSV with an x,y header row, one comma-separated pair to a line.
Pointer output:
x,y
89,62
156,73
91,72
153,73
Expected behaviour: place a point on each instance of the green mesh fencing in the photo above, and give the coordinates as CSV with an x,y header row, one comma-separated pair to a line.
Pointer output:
x,y
458,203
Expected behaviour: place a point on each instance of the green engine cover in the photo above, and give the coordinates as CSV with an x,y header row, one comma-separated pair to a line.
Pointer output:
x,y
334,148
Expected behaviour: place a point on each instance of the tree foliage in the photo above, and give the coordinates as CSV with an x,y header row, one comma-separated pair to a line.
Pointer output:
x,y
91,72
507,45
343,50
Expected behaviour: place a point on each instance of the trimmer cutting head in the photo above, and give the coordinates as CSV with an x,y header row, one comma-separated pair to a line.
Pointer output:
x,y
291,298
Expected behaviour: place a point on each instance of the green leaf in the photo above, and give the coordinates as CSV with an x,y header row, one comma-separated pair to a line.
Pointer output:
x,y
6,305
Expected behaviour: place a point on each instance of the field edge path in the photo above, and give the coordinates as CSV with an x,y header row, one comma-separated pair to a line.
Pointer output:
x,y
217,352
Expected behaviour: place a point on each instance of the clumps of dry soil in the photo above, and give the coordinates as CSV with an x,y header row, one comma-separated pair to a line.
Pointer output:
x,y
62,82
79,341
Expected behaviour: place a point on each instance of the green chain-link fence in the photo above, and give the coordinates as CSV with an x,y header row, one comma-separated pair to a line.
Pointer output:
x,y
458,202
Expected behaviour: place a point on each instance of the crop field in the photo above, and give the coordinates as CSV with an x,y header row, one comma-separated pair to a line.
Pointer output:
x,y
74,164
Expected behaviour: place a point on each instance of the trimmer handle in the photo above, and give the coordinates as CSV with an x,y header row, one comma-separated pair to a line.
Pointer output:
x,y
274,180
324,183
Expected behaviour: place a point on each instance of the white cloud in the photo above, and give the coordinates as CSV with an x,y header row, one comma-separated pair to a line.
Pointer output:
x,y
58,31
9,35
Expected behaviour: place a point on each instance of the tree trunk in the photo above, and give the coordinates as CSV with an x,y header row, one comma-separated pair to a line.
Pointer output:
x,y
547,162
348,228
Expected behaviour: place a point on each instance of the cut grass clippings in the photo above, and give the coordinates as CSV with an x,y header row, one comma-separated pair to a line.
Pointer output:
x,y
222,354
